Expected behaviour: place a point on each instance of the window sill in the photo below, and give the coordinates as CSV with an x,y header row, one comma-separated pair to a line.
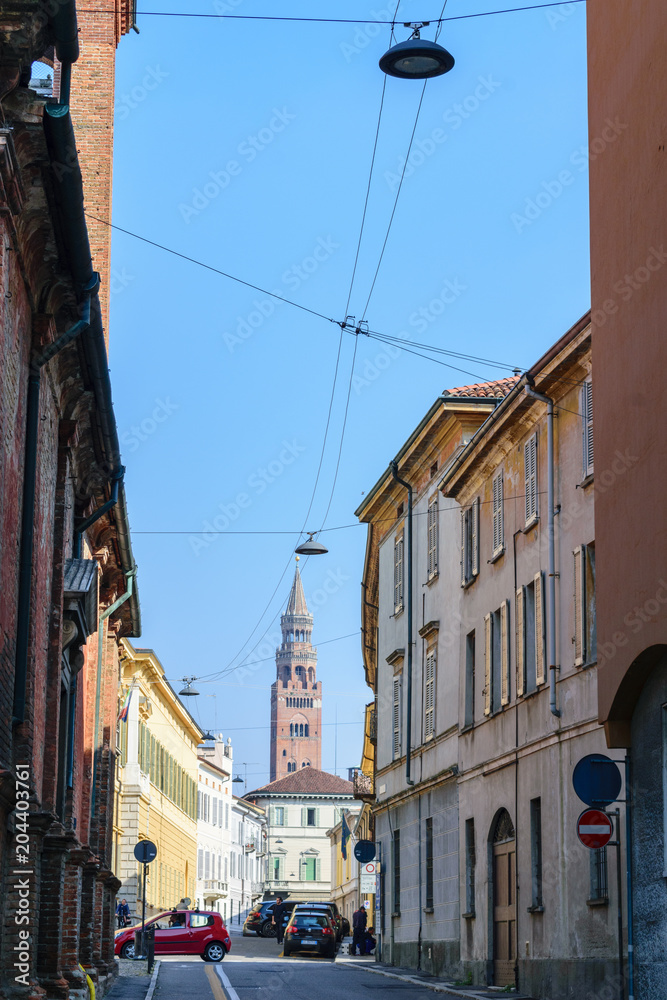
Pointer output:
x,y
497,555
428,909
432,578
469,916
535,909
602,901
469,582
529,525
586,481
398,611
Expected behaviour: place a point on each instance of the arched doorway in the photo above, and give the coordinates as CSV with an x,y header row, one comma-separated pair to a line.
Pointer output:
x,y
503,897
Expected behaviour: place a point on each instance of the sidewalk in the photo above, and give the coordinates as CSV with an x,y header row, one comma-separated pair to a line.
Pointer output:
x,y
449,988
133,981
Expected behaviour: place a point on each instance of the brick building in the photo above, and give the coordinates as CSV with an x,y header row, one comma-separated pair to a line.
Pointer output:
x,y
296,694
67,572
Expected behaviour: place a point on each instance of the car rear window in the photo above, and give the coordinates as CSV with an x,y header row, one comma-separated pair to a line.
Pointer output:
x,y
310,920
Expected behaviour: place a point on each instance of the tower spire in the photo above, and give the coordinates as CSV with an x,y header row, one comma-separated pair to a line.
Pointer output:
x,y
296,605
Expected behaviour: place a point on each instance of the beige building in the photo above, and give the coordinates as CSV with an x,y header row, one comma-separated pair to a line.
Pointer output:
x,y
156,795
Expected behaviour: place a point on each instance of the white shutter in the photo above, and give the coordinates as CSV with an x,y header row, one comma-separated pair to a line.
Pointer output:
x,y
520,641
398,573
530,474
396,750
429,696
504,653
304,817
487,664
475,537
317,817
540,630
318,870
579,605
498,532
433,537
285,823
587,422
463,548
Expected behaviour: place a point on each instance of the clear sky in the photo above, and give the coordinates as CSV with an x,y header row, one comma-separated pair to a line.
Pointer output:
x,y
247,144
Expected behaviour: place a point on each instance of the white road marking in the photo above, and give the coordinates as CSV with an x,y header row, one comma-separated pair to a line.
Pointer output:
x,y
231,992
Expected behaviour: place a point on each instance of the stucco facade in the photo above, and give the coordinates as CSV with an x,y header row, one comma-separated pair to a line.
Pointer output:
x,y
214,824
248,858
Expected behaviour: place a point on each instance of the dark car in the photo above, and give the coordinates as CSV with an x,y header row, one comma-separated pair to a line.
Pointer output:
x,y
181,932
311,931
333,909
260,920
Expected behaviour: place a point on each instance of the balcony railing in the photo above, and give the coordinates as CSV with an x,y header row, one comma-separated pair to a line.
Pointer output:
x,y
214,887
363,786
257,888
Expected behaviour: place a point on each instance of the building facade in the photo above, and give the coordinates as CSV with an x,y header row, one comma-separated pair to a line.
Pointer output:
x,y
214,824
296,694
67,573
410,648
157,785
626,100
247,859
300,809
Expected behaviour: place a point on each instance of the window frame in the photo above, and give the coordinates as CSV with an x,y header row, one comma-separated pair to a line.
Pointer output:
x,y
470,543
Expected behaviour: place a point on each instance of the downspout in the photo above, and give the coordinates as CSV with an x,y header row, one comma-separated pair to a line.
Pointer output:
x,y
100,640
408,729
23,616
551,641
97,514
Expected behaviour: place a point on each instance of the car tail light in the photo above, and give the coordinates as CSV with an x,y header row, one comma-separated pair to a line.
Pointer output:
x,y
292,930
327,930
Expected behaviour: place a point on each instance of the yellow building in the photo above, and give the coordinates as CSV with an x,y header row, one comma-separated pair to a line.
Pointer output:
x,y
156,786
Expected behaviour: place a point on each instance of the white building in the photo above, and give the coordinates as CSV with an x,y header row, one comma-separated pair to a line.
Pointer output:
x,y
214,824
247,859
302,808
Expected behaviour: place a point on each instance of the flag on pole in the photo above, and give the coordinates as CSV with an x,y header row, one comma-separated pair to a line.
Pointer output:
x,y
122,715
345,836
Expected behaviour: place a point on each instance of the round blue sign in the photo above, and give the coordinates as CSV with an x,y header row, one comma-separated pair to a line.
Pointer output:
x,y
145,851
597,780
364,851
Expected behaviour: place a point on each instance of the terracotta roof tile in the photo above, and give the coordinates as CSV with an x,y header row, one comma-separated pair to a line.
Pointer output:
x,y
307,780
491,390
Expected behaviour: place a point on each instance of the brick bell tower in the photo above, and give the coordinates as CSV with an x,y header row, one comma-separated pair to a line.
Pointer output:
x,y
296,694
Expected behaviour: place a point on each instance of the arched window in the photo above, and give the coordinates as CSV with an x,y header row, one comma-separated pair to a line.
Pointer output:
x,y
306,763
291,729
284,753
301,729
305,730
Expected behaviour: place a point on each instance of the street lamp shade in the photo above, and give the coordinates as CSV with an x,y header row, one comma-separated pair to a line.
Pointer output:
x,y
188,691
311,547
416,59
236,780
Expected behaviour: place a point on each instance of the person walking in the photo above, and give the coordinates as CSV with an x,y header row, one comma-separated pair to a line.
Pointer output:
x,y
278,918
359,921
123,913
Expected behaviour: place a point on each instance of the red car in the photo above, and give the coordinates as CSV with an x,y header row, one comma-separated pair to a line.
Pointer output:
x,y
181,932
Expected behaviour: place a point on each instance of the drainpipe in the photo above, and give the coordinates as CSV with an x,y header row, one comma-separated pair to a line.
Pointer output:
x,y
97,514
100,639
408,729
551,641
23,617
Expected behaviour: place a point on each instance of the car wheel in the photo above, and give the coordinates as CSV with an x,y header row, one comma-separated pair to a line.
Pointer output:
x,y
127,951
214,952
267,930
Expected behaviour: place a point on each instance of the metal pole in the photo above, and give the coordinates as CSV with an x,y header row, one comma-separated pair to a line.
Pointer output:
x,y
143,911
619,907
628,868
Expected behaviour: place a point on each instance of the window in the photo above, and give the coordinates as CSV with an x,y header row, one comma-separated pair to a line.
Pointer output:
x,y
396,858
398,573
498,527
207,864
599,890
291,766
587,422
396,747
432,520
470,543
429,863
200,863
496,660
585,632
469,716
279,818
471,860
536,851
215,812
429,695
530,475
310,817
310,870
530,636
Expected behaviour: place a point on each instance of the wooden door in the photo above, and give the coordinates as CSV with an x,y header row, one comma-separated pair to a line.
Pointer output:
x,y
504,913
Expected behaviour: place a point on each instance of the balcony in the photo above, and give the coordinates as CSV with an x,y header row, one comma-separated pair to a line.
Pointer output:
x,y
363,787
213,888
274,883
257,888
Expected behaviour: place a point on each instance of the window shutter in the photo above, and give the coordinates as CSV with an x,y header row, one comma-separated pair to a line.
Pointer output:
x,y
520,641
475,537
304,817
487,664
540,631
285,816
396,751
504,653
398,573
463,548
530,471
579,605
498,532
317,817
433,537
429,696
318,870
587,422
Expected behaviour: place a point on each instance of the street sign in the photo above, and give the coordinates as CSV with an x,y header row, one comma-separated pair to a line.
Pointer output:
x,y
594,829
364,850
597,780
367,875
145,851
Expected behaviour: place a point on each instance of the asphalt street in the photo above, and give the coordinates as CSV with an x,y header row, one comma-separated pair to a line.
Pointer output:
x,y
255,969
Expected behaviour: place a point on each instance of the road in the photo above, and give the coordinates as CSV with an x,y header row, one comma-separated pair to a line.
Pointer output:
x,y
256,970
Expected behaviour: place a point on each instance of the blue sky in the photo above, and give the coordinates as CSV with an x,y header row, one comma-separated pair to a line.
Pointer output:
x,y
247,145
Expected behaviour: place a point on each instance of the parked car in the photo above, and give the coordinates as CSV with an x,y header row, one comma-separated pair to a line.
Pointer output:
x,y
311,931
260,920
337,918
181,932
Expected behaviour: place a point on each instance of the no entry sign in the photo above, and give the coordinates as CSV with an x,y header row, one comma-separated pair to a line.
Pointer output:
x,y
594,829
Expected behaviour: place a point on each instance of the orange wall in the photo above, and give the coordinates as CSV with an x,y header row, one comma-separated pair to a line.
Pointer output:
x,y
628,214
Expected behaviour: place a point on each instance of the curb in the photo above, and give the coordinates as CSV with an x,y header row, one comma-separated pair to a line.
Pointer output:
x,y
151,988
436,987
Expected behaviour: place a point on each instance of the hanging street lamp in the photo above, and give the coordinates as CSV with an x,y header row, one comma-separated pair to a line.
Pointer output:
x,y
416,59
188,691
311,547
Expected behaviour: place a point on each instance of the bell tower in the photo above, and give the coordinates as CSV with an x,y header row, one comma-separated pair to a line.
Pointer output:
x,y
296,694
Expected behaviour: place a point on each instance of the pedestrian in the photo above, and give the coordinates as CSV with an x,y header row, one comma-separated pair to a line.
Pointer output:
x,y
278,918
359,921
369,941
123,913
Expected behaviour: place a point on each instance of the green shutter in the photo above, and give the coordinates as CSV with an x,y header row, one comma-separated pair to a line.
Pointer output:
x,y
304,817
318,870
